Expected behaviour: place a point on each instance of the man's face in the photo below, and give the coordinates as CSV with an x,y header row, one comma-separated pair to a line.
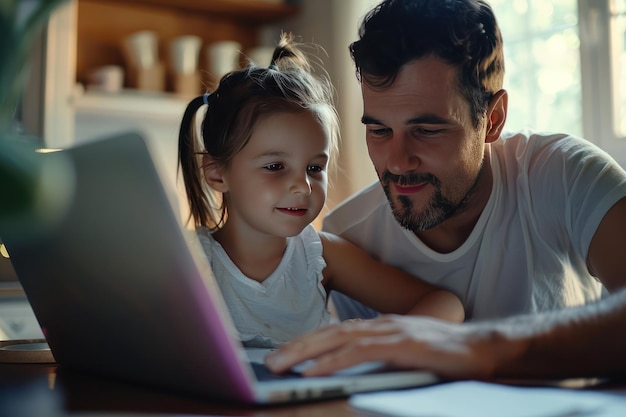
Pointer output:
x,y
420,137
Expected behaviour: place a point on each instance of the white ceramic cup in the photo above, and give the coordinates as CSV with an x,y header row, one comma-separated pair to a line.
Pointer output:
x,y
184,52
223,57
109,78
142,48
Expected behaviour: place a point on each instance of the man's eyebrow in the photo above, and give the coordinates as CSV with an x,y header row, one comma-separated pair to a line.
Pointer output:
x,y
423,119
368,120
432,119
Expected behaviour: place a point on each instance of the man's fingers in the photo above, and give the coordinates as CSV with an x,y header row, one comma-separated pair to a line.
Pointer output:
x,y
304,347
322,341
398,341
378,348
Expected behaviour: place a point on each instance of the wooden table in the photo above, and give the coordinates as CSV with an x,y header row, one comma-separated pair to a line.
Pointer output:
x,y
45,390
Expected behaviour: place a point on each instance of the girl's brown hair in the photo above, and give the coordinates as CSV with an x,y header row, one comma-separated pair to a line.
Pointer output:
x,y
241,99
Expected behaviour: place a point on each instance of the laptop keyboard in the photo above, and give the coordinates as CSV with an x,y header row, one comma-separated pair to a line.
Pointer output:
x,y
263,373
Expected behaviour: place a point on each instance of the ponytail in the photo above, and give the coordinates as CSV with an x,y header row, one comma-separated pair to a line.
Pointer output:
x,y
188,157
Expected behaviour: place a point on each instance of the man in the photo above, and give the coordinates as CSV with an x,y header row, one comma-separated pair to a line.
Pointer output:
x,y
514,224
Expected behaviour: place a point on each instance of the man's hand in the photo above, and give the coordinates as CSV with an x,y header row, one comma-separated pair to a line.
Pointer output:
x,y
450,350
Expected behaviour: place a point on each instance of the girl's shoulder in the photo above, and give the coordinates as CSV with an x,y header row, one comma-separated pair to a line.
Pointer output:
x,y
204,234
309,245
311,242
207,241
330,239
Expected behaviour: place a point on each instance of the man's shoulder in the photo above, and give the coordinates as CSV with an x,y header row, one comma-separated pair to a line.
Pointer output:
x,y
527,140
529,149
366,205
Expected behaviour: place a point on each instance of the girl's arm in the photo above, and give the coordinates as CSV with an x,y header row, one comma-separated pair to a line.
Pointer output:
x,y
350,270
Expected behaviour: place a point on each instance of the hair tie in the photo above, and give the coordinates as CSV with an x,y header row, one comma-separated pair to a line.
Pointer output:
x,y
205,98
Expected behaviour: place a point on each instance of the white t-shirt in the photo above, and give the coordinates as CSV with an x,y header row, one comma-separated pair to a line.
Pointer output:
x,y
291,301
528,249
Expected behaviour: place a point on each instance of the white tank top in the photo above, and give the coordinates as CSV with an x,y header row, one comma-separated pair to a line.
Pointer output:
x,y
290,302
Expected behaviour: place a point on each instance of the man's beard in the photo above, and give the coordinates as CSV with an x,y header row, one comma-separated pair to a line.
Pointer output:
x,y
437,210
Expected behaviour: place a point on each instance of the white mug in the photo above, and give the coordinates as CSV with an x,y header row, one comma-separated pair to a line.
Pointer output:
x,y
223,57
184,52
109,78
142,48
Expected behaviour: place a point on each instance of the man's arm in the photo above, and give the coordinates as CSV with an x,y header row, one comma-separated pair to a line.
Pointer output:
x,y
576,342
607,257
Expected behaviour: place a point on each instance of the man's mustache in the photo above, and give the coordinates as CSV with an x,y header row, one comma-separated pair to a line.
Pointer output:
x,y
409,179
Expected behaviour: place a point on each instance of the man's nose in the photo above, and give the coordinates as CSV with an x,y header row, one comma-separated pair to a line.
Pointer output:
x,y
401,156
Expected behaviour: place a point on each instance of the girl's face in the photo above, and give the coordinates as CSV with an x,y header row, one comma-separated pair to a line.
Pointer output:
x,y
277,183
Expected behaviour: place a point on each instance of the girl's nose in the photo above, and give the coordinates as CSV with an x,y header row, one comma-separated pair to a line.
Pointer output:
x,y
301,185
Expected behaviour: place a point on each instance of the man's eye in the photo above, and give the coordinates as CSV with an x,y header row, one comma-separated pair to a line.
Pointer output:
x,y
379,131
274,167
427,132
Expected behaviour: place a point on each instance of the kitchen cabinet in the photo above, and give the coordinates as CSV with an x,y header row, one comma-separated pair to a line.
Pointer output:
x,y
103,24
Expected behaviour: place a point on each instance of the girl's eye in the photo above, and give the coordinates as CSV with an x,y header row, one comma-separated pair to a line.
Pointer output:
x,y
315,168
274,167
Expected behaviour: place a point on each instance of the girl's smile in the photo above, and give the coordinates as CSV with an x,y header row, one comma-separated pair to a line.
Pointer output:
x,y
292,211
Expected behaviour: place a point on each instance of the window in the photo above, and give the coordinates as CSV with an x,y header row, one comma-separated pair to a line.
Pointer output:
x,y
566,68
542,75
619,35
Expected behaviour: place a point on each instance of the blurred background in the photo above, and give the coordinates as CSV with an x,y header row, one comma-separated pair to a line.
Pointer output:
x,y
106,66
101,67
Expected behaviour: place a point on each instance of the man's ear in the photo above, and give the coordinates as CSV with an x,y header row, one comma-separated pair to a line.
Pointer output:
x,y
496,115
214,174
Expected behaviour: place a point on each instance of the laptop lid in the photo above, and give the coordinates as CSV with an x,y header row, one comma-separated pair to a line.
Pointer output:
x,y
121,288
8,278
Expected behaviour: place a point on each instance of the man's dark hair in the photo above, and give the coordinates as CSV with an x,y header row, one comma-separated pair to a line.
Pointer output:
x,y
463,33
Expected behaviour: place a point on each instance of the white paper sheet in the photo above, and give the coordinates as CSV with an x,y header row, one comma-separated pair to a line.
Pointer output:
x,y
478,399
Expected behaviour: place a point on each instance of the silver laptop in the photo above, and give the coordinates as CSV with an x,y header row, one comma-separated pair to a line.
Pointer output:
x,y
8,278
121,288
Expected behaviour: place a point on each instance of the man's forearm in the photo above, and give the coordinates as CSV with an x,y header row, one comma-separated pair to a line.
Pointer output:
x,y
583,341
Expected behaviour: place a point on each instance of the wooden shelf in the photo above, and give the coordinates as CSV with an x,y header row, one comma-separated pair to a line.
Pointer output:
x,y
102,25
244,10
132,104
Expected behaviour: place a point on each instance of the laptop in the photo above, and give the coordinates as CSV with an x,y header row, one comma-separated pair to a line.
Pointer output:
x,y
8,278
122,289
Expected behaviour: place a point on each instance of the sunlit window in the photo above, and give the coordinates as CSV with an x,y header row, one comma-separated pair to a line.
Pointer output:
x,y
541,48
619,41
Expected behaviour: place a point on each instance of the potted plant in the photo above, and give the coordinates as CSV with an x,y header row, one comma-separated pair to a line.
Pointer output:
x,y
20,22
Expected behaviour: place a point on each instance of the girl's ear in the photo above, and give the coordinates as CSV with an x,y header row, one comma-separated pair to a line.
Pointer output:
x,y
496,115
213,174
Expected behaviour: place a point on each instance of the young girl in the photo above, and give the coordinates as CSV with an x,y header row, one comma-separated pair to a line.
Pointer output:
x,y
255,184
